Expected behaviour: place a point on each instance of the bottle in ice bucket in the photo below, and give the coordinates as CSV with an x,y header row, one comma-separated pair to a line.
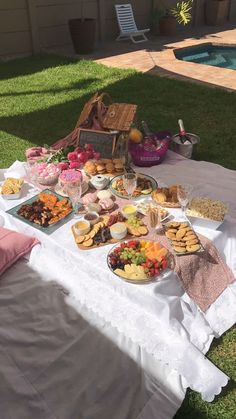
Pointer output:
x,y
184,138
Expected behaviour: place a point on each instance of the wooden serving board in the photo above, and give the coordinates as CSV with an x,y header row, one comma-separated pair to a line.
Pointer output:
x,y
111,241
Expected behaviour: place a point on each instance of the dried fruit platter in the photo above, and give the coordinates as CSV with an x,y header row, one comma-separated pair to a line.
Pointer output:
x,y
46,211
138,261
183,239
99,234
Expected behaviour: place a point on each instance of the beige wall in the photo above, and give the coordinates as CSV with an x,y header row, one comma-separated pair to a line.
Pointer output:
x,y
28,26
15,36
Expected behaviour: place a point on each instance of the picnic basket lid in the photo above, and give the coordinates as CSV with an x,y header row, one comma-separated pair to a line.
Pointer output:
x,y
119,116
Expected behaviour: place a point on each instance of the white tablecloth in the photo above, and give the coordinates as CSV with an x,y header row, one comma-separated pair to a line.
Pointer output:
x,y
159,317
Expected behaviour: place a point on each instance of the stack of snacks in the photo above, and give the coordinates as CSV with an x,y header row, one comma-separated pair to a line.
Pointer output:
x,y
183,238
110,166
12,186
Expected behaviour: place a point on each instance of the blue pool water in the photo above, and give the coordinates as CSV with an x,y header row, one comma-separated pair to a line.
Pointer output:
x,y
215,55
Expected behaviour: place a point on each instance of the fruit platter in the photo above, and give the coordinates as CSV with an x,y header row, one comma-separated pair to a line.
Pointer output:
x,y
107,229
183,239
139,261
46,211
145,186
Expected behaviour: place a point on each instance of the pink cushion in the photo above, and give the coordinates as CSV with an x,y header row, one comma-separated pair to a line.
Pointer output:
x,y
13,245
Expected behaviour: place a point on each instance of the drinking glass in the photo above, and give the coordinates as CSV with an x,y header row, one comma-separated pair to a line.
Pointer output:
x,y
184,192
130,183
74,191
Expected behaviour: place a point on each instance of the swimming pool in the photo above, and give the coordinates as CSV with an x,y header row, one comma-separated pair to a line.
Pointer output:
x,y
210,54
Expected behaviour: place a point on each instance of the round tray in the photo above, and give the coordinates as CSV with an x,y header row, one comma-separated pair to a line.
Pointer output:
x,y
162,275
150,178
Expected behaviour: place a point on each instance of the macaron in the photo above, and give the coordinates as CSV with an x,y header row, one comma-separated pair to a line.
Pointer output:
x,y
89,198
101,168
104,194
106,204
110,168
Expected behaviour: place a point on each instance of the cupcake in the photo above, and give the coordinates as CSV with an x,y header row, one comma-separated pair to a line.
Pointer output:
x,y
70,176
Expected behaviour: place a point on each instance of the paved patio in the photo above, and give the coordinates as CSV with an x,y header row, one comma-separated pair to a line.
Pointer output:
x,y
156,56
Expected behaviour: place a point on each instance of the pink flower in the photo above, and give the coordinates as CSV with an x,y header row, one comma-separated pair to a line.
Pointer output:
x,y
75,165
78,150
97,156
72,156
63,166
89,154
83,157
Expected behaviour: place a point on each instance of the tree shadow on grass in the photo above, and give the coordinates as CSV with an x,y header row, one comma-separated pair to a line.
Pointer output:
x,y
84,83
31,65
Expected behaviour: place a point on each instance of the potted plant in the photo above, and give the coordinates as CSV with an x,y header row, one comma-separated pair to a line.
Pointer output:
x,y
164,19
216,11
83,33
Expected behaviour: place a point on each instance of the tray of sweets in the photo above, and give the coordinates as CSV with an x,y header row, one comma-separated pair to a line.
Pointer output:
x,y
183,238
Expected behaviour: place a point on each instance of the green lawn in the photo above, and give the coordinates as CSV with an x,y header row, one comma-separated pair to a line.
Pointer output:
x,y
40,101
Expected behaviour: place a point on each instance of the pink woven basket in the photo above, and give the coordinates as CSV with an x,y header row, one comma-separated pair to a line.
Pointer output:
x,y
149,154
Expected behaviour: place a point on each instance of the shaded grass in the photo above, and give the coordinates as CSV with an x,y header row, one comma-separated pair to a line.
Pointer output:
x,y
40,101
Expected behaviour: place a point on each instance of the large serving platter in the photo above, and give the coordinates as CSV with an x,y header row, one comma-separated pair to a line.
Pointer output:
x,y
49,229
143,281
142,195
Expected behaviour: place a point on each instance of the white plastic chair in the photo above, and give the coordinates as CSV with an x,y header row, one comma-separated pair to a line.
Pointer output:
x,y
127,25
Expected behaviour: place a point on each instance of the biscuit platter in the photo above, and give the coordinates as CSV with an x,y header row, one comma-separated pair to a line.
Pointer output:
x,y
183,238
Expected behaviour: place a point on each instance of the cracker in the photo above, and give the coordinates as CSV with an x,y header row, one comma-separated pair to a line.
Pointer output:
x,y
79,239
88,243
142,230
178,243
92,233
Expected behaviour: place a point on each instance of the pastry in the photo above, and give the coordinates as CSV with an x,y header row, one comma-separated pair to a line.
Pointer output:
x,y
161,197
189,238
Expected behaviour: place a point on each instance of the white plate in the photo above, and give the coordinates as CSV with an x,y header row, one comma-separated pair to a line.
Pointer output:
x,y
204,222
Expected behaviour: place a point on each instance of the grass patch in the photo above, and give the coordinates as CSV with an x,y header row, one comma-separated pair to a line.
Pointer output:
x,y
40,101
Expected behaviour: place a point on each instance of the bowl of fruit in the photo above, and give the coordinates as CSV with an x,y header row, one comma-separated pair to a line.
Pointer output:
x,y
139,261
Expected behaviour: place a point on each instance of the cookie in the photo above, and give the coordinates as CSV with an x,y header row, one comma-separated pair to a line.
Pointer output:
x,y
193,248
178,243
92,234
87,237
88,243
183,225
172,230
180,249
180,233
189,232
191,242
170,235
190,237
173,224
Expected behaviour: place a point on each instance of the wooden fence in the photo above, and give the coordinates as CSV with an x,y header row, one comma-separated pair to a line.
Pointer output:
x,y
30,26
